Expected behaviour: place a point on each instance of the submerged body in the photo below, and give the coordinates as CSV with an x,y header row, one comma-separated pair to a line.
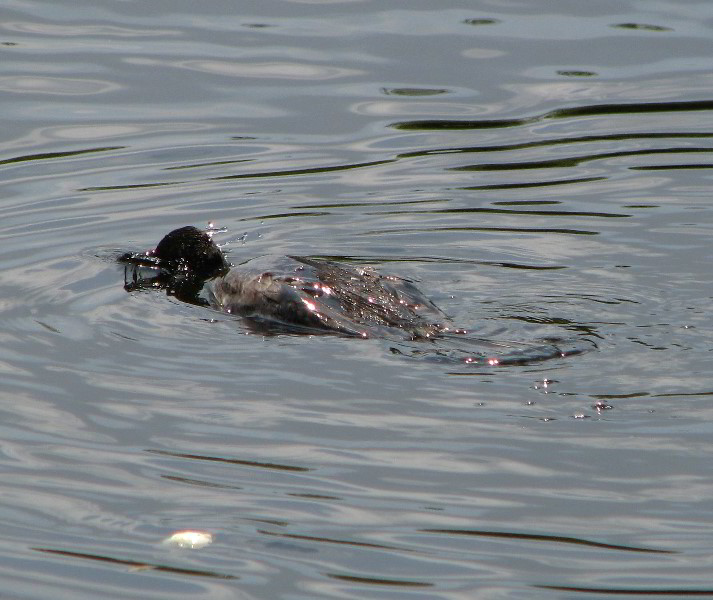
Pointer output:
x,y
296,292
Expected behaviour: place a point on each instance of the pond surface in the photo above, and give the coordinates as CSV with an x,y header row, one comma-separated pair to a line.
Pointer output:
x,y
541,171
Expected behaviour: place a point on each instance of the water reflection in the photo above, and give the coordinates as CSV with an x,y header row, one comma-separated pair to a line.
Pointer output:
x,y
234,461
377,581
642,27
135,565
61,86
562,113
631,591
545,538
54,155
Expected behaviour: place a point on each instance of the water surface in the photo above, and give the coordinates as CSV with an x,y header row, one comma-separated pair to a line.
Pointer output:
x,y
540,172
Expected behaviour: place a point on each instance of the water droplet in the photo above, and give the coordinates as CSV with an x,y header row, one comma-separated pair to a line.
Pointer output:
x,y
599,406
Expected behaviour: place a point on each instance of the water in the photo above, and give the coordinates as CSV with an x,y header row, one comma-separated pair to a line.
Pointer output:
x,y
539,170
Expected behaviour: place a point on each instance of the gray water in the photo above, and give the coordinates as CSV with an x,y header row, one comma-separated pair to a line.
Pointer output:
x,y
540,169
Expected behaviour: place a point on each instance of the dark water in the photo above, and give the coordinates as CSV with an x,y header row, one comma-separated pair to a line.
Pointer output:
x,y
542,170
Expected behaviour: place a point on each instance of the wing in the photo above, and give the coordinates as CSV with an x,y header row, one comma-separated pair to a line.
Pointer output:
x,y
371,298
288,301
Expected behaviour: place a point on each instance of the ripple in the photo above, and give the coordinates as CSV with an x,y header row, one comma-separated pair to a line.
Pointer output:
x,y
481,21
233,461
561,113
414,91
642,27
84,30
482,53
60,86
576,73
257,70
135,564
557,539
